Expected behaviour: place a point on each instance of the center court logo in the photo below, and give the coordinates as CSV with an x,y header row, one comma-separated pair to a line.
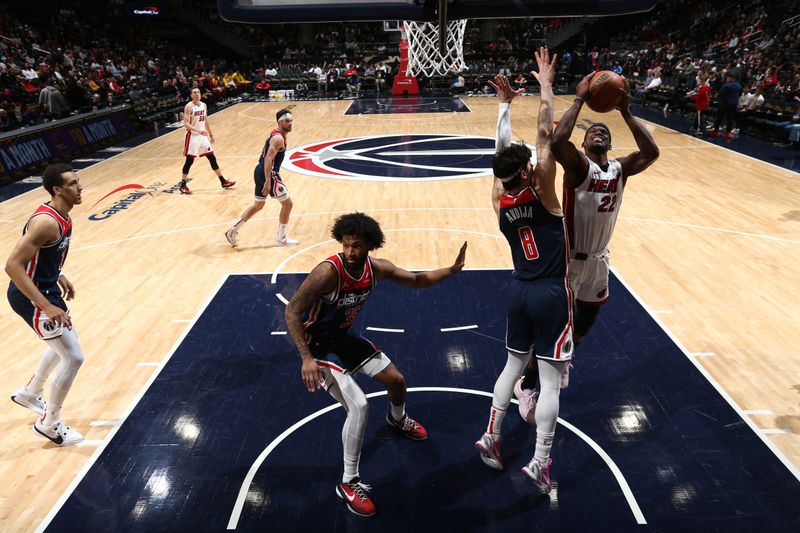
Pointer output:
x,y
412,157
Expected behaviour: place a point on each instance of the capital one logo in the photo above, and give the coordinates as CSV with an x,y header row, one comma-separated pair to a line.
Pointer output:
x,y
412,157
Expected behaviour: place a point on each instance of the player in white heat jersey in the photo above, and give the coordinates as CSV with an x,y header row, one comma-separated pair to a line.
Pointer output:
x,y
197,142
593,187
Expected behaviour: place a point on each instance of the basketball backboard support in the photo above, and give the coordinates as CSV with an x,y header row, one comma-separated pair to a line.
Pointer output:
x,y
279,11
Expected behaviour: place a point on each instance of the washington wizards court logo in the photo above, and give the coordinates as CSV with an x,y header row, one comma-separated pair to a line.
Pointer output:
x,y
411,157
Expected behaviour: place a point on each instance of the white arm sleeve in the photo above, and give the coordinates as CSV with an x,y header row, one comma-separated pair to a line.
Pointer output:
x,y
503,137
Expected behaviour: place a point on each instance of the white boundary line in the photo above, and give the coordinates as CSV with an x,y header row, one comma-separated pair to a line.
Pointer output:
x,y
236,512
758,431
104,423
459,328
90,462
385,330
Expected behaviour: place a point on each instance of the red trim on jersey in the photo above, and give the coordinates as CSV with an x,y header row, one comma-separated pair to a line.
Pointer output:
x,y
64,224
312,316
36,316
32,264
569,215
525,196
330,365
568,329
186,144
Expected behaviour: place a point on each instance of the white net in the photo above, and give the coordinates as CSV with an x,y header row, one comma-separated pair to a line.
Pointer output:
x,y
424,54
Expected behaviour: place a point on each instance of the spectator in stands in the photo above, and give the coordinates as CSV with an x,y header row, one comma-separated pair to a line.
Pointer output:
x,y
354,84
51,101
457,85
702,99
752,98
520,82
381,73
301,89
727,102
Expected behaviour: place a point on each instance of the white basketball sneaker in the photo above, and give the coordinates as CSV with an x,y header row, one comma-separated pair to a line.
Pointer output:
x,y
285,241
30,400
59,433
232,235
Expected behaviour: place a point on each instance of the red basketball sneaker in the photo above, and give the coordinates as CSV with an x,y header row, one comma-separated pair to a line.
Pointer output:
x,y
226,184
356,496
410,427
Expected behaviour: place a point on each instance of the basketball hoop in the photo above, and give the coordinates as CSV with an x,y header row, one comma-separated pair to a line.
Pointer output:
x,y
425,51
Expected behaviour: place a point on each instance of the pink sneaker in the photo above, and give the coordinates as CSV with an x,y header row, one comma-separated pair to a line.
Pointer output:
x,y
527,402
539,474
489,448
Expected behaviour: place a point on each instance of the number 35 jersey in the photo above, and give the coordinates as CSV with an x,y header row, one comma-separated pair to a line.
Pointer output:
x,y
333,314
536,236
591,208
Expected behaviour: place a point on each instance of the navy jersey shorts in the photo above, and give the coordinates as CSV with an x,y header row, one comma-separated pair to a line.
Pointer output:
x,y
345,350
277,189
540,319
32,315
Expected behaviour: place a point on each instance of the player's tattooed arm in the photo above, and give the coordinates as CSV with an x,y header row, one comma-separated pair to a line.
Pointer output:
x,y
322,280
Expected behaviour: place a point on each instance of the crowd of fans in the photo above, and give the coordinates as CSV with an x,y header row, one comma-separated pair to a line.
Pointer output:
x,y
74,60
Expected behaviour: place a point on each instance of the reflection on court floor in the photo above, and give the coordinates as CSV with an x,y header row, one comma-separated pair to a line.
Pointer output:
x,y
644,437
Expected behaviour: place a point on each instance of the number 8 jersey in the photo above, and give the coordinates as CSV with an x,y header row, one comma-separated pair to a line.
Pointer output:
x,y
591,208
536,236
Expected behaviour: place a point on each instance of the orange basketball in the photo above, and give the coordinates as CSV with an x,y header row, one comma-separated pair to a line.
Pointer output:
x,y
605,91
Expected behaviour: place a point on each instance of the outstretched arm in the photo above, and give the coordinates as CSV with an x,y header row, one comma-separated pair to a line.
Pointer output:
x,y
386,270
574,162
648,151
545,171
505,93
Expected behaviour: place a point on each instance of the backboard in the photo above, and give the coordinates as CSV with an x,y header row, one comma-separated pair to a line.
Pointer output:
x,y
277,11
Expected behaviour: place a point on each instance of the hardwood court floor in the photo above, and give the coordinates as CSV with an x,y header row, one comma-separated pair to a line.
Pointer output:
x,y
709,240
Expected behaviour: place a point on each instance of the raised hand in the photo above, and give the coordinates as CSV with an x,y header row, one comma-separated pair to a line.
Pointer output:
x,y
460,260
547,66
503,88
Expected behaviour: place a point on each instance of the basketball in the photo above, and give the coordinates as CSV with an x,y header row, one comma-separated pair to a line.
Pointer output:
x,y
605,91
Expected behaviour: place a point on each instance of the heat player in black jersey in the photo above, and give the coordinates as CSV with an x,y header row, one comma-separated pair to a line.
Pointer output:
x,y
539,320
319,317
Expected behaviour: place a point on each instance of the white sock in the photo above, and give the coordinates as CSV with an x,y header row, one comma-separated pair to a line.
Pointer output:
x,y
47,363
504,389
398,411
281,231
496,416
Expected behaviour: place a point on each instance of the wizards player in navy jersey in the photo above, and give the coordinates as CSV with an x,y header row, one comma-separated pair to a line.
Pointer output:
x,y
319,317
37,292
539,321
268,182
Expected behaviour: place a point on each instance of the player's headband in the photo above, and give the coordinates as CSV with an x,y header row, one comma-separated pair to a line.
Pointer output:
x,y
285,116
514,175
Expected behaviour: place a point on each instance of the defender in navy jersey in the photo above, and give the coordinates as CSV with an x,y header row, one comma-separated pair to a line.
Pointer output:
x,y
268,182
539,319
37,292
319,317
